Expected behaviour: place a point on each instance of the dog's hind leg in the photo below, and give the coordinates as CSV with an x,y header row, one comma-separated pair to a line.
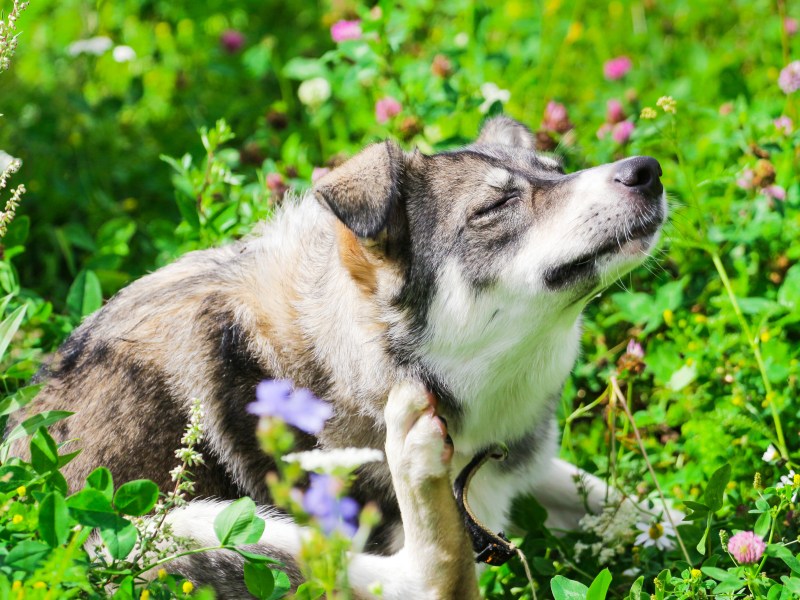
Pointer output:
x,y
436,561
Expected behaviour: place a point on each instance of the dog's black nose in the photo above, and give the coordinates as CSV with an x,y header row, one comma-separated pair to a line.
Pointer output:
x,y
641,173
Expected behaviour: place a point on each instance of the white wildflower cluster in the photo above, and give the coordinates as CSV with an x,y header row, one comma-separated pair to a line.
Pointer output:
x,y
330,461
614,528
792,481
156,540
8,39
188,456
8,166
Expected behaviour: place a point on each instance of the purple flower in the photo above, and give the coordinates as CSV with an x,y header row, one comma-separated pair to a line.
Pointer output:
x,y
386,108
789,79
622,132
322,501
784,125
614,112
635,349
617,68
774,191
342,31
746,547
319,172
790,26
232,40
556,118
300,408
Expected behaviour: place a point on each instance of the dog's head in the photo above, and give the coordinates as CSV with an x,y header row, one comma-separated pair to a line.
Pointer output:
x,y
500,218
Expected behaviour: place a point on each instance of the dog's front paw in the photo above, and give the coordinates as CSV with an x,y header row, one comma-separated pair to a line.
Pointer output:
x,y
417,445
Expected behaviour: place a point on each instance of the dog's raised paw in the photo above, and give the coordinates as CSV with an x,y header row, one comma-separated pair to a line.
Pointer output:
x,y
417,444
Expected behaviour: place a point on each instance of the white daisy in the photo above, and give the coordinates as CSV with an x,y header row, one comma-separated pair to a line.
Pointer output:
x,y
770,455
656,534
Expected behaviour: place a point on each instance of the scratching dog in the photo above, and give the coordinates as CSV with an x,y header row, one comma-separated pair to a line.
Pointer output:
x,y
400,282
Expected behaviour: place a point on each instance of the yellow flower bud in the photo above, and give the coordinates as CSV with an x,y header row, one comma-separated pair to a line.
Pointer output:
x,y
162,574
39,585
21,490
145,595
669,317
17,585
696,573
187,587
648,113
17,519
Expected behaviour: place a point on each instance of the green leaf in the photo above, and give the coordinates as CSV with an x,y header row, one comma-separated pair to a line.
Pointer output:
x,y
44,452
599,587
136,497
716,573
716,487
238,523
9,327
791,583
29,426
126,589
54,521
566,589
13,476
101,479
789,292
85,294
303,68
729,585
119,536
253,557
259,580
90,507
27,555
282,585
636,590
761,528
19,399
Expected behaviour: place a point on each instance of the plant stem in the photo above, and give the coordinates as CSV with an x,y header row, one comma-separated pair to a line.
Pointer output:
x,y
621,399
755,348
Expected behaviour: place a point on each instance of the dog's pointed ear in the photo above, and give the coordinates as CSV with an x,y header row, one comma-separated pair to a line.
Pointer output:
x,y
506,132
363,191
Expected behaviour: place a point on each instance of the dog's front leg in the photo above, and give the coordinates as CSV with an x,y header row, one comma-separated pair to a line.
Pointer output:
x,y
436,561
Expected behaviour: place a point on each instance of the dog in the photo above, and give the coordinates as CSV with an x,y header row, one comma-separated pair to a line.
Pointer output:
x,y
433,300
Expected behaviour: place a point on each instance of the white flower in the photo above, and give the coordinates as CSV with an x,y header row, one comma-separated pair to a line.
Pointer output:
x,y
631,572
123,54
789,480
491,94
329,461
770,455
461,40
5,160
96,45
314,92
655,534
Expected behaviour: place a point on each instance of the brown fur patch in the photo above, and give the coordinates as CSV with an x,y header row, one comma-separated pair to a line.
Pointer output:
x,y
355,260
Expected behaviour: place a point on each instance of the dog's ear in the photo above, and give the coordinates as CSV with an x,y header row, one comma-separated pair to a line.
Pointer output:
x,y
507,132
364,190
